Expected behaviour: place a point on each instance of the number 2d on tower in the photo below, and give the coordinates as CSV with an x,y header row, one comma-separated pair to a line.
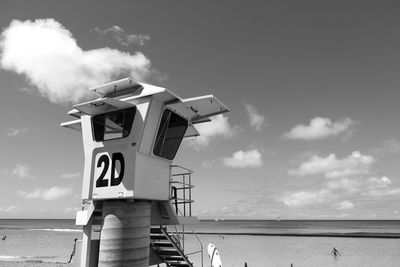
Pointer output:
x,y
115,175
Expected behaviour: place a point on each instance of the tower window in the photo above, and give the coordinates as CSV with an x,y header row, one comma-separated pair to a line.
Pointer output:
x,y
113,125
170,134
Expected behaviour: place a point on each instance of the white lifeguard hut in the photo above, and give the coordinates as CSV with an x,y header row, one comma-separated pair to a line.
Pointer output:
x,y
131,191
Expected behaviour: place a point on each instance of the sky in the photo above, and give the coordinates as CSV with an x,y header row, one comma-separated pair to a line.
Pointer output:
x,y
313,89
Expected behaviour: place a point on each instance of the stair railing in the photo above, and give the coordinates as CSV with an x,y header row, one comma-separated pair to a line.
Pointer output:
x,y
181,197
181,189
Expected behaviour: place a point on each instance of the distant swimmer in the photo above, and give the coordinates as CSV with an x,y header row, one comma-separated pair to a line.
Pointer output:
x,y
335,252
221,237
3,237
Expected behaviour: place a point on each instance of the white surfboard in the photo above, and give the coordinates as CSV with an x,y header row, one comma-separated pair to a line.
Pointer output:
x,y
214,256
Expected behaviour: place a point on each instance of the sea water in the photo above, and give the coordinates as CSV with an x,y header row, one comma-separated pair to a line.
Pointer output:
x,y
237,242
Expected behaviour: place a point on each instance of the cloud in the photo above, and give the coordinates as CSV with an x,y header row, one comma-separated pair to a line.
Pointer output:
x,y
47,54
244,159
52,193
332,167
306,198
344,205
256,119
390,146
319,128
344,184
16,131
219,127
8,209
237,210
21,171
122,38
69,175
379,187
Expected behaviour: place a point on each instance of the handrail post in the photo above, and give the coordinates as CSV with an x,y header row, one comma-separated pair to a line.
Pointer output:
x,y
190,194
184,195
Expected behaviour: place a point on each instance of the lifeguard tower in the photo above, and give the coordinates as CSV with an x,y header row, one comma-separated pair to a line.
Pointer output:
x,y
133,196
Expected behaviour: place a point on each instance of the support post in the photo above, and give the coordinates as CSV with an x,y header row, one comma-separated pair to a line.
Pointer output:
x,y
125,233
86,243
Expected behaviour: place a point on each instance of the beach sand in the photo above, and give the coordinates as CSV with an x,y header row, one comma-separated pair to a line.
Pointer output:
x,y
279,251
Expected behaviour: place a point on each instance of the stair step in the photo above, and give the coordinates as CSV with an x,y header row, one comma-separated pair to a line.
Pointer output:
x,y
155,230
169,253
171,258
152,239
162,244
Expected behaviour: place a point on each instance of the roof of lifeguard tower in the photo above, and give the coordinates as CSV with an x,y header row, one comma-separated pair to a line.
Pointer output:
x,y
120,94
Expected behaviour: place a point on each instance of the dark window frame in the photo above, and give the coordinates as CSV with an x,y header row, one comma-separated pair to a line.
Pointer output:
x,y
164,145
99,124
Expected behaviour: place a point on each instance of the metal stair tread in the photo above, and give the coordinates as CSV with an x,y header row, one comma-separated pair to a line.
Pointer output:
x,y
170,258
155,230
162,244
158,237
165,245
178,264
169,253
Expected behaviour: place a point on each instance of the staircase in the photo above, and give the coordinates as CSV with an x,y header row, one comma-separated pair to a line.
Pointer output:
x,y
167,247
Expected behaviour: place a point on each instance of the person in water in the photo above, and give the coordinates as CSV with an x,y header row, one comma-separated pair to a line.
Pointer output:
x,y
3,237
335,252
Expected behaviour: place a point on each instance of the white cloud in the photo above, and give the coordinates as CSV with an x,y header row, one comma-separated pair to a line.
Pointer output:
x,y
319,128
16,131
379,187
344,205
21,171
382,182
306,198
52,193
237,210
390,146
219,127
69,175
8,209
50,58
256,119
349,185
332,167
244,159
123,39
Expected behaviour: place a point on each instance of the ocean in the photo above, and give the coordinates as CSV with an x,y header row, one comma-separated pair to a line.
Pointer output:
x,y
362,243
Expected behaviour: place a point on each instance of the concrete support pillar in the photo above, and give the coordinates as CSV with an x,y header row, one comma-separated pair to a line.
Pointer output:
x,y
125,234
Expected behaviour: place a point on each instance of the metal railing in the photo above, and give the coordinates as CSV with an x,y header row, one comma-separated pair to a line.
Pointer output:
x,y
179,236
181,189
181,197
